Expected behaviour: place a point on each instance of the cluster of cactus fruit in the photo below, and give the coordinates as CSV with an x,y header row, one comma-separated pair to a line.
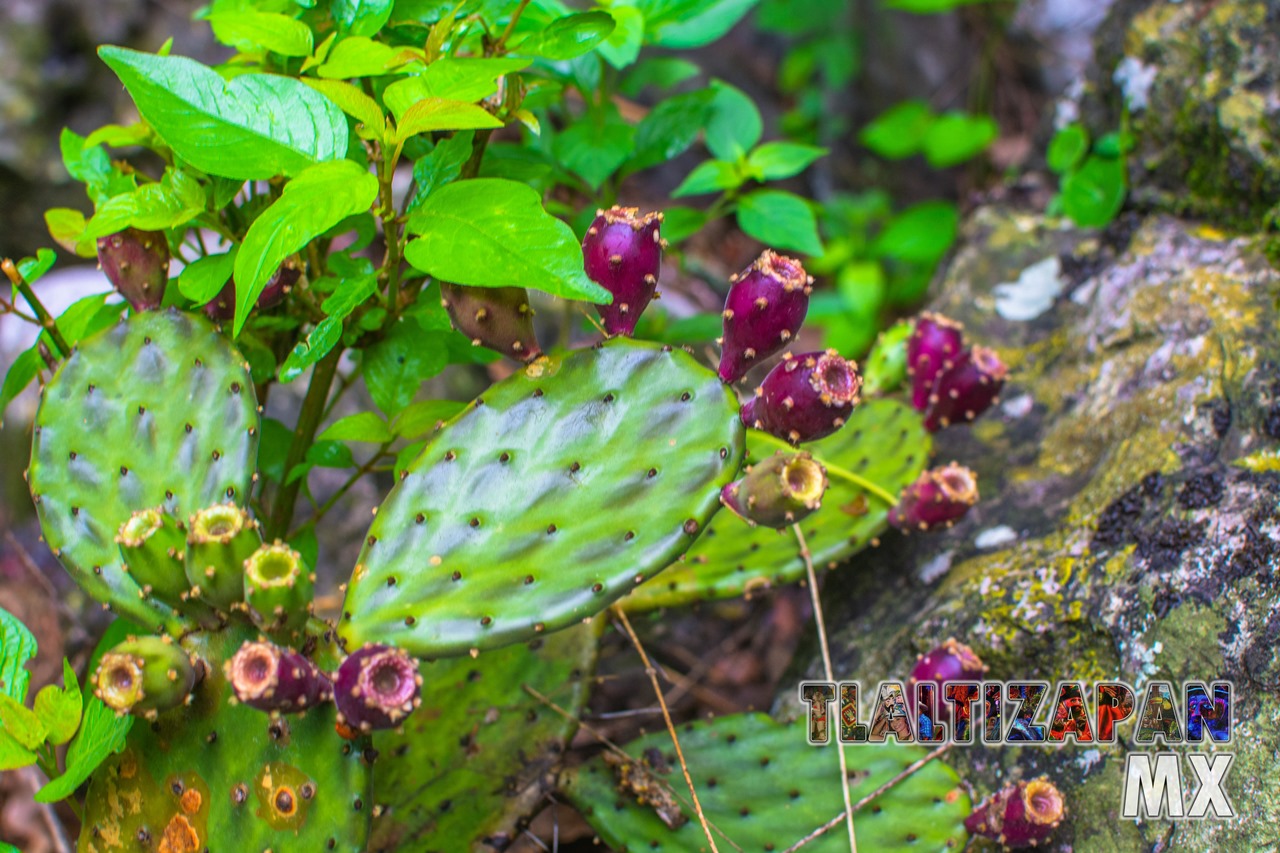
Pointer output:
x,y
491,537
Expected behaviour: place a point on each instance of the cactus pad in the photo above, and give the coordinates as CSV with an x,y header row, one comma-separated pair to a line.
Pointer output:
x,y
884,442
480,753
216,773
544,501
765,787
158,411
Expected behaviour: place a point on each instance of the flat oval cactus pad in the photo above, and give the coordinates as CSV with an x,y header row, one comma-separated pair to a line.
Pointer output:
x,y
548,498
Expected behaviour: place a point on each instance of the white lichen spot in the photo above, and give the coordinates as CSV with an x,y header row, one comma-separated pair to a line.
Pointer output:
x,y
1135,77
936,567
1017,407
1033,293
1088,759
995,537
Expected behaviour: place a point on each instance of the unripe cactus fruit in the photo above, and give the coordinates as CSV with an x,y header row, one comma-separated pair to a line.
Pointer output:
x,y
278,588
137,264
762,312
965,390
805,397
885,367
270,678
934,346
622,252
153,546
223,306
496,317
777,491
144,675
938,497
376,688
951,661
1022,814
219,540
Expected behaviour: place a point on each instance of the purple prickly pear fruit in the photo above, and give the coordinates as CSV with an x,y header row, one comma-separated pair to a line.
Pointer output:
x,y
269,678
762,313
805,397
496,317
622,252
137,264
777,491
1022,814
144,675
965,390
951,661
223,306
376,688
938,497
933,347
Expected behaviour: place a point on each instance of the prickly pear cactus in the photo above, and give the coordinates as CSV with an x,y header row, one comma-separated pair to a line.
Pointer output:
x,y
216,775
481,753
156,411
765,787
547,499
884,442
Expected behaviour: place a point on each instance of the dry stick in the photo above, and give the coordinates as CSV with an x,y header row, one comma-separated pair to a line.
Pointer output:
x,y
666,715
911,770
826,665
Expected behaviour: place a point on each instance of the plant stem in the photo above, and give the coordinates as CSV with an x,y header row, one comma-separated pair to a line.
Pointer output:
x,y
511,26
834,470
303,435
324,508
471,168
45,318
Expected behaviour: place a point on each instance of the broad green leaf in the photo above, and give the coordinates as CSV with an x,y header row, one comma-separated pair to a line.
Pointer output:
x,y
921,233
354,103
439,114
1117,143
490,232
325,336
21,723
458,79
328,454
709,177
311,203
14,755
595,146
90,165
928,7
419,419
204,279
1093,194
59,708
32,269
443,165
84,317
661,72
899,131
66,227
363,426
359,56
781,220
361,17
568,37
671,128
101,734
774,161
622,47
21,372
711,23
1067,148
254,127
396,367
174,200
680,223
246,30
121,136
17,646
735,125
955,137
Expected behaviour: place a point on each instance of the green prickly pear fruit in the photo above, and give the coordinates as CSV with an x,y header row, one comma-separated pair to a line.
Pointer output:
x,y
495,317
278,588
220,539
269,678
144,675
137,264
885,368
778,491
153,546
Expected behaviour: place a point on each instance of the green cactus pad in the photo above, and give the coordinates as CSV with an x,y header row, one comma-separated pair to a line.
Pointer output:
x,y
480,753
884,442
156,411
544,501
765,787
287,785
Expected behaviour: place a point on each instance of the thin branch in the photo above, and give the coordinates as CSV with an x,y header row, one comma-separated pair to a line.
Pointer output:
x,y
324,508
303,436
46,319
826,665
835,470
511,27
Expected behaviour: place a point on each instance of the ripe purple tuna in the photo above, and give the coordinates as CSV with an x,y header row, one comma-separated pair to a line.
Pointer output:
x,y
496,317
622,252
223,306
805,397
951,661
966,390
269,678
1022,814
777,491
939,496
933,347
137,264
762,313
376,688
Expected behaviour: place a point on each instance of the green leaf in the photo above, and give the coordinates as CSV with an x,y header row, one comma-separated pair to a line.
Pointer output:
x,y
101,734
17,646
661,72
708,25
32,269
23,369
21,723
595,146
680,223
1067,148
204,279
921,234
709,177
1093,194
781,220
311,203
439,114
14,755
121,136
1114,144
361,17
395,367
735,125
419,419
90,165
899,131
359,56
622,47
354,103
254,127
172,201
363,426
329,454
928,7
59,708
774,161
568,37
490,232
955,137
442,166
458,79
246,30
66,227
671,128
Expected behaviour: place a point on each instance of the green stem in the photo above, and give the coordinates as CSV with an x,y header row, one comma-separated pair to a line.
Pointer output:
x,y
511,27
46,319
324,508
303,435
833,470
